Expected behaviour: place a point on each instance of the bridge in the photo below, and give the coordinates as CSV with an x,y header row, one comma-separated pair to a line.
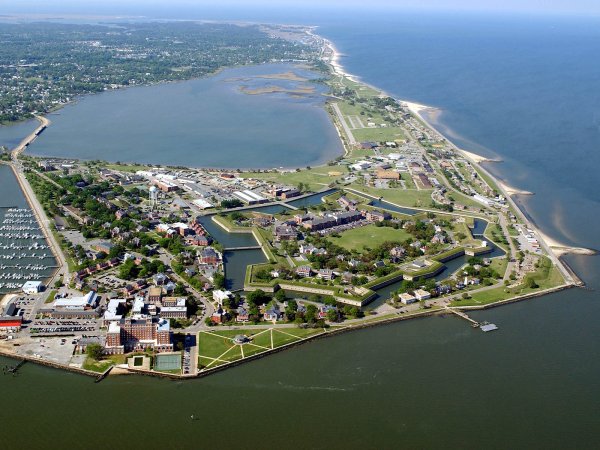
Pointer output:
x,y
249,247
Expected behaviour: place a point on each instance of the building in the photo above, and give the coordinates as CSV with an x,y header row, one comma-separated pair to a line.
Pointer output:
x,y
303,271
378,216
32,287
220,296
114,310
326,274
422,294
249,197
104,247
137,334
173,308
347,203
285,233
173,312
87,302
209,255
155,295
10,324
407,299
388,175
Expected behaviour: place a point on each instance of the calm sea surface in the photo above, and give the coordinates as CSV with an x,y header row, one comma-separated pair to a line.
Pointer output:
x,y
207,122
524,89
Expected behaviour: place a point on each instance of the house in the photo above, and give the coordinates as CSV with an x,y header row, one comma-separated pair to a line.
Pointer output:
x,y
396,253
304,271
326,274
242,315
438,238
324,311
209,255
197,239
272,314
219,316
422,294
160,279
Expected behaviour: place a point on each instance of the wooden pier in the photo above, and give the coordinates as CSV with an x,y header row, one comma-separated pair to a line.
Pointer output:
x,y
463,315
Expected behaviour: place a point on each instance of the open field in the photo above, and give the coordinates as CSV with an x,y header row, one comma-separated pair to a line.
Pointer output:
x,y
217,347
316,179
369,236
402,197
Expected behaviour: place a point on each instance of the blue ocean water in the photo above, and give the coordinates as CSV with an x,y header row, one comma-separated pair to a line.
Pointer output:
x,y
524,89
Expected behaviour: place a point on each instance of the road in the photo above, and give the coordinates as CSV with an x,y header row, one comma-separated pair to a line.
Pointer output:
x,y
29,139
347,130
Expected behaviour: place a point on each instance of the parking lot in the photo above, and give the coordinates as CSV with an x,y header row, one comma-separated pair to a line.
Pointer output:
x,y
56,349
54,326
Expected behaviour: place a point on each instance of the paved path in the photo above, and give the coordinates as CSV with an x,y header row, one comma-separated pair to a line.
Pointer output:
x,y
347,130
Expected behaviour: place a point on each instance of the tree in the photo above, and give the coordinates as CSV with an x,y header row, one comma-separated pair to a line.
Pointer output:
x,y
332,315
257,297
219,280
280,295
94,351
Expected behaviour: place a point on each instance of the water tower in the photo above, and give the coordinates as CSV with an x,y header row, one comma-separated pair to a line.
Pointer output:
x,y
153,197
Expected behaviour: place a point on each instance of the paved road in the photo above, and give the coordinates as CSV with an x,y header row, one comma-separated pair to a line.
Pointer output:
x,y
347,130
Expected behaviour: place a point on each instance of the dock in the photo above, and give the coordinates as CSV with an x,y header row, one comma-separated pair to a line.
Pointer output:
x,y
484,326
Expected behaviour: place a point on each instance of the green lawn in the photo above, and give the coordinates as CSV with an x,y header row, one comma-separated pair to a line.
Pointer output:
x,y
402,197
103,364
317,178
369,236
378,134
216,347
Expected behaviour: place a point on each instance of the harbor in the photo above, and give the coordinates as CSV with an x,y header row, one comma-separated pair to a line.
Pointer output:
x,y
24,253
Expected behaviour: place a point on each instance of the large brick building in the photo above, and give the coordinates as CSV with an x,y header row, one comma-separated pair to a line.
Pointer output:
x,y
137,334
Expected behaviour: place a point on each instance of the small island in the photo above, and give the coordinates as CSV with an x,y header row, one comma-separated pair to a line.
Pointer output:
x,y
180,272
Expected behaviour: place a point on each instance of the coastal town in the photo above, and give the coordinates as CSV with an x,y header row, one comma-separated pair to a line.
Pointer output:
x,y
180,272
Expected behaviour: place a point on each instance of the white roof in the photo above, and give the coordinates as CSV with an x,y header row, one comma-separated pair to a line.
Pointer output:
x,y
173,309
220,295
114,327
76,302
138,305
202,204
32,285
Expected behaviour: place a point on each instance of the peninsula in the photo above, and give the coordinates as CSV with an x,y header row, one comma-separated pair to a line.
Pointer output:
x,y
404,224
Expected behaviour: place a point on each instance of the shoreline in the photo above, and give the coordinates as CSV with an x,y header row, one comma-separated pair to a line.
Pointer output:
x,y
386,319
550,245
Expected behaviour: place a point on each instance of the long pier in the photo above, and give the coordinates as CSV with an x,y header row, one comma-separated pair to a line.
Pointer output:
x,y
463,315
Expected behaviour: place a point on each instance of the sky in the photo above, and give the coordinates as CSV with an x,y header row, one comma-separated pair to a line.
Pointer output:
x,y
117,6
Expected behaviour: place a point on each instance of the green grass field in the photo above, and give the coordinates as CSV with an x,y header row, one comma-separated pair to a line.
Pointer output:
x,y
369,236
317,178
402,197
217,347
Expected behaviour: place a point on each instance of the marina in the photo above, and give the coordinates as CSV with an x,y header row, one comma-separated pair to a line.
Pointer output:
x,y
24,252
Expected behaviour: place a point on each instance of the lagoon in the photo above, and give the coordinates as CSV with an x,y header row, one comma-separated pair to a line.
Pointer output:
x,y
208,122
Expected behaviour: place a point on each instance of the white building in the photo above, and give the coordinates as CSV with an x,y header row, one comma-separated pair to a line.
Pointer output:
x,y
219,295
407,299
422,294
88,301
32,287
